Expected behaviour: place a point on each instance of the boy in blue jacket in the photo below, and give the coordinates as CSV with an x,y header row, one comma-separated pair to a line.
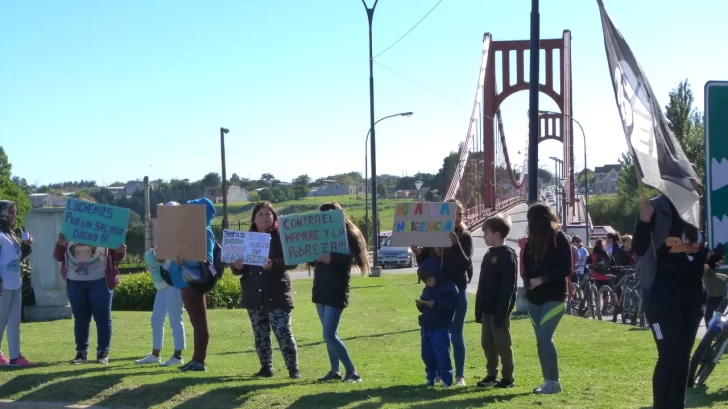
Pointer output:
x,y
437,305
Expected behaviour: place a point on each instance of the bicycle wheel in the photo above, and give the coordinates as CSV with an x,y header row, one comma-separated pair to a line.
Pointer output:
x,y
606,299
575,301
595,303
628,307
701,364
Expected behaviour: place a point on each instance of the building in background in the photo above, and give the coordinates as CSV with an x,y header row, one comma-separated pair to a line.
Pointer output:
x,y
605,179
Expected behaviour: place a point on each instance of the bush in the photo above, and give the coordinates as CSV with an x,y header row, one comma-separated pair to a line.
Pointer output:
x,y
136,292
615,211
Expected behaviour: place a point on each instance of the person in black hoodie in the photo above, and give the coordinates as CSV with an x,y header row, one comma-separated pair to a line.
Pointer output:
x,y
495,300
547,263
457,267
332,273
267,295
437,304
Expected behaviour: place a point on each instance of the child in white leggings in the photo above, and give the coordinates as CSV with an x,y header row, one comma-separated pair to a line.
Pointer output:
x,y
168,301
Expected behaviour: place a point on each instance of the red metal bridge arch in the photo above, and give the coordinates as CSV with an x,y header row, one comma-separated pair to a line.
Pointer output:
x,y
486,110
551,126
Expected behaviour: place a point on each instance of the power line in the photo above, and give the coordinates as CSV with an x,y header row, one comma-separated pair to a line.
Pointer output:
x,y
419,85
408,31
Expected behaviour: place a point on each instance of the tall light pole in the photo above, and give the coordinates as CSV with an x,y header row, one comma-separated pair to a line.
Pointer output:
x,y
586,175
533,104
375,235
366,175
562,181
223,131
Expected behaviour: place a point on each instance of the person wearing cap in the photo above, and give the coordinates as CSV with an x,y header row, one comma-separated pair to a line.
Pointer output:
x,y
167,301
438,303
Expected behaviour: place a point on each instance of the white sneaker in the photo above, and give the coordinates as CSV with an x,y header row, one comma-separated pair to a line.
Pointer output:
x,y
460,381
149,359
173,361
548,388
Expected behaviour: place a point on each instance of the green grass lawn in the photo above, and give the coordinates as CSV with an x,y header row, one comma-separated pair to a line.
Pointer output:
x,y
603,365
353,207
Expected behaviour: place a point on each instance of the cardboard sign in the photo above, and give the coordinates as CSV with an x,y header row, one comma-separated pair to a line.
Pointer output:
x,y
95,224
425,224
182,231
308,236
251,247
257,246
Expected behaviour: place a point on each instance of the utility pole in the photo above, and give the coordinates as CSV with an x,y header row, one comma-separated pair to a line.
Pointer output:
x,y
223,131
148,240
533,104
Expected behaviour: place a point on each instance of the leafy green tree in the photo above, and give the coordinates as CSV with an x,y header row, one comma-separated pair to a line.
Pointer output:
x,y
212,179
381,189
302,180
300,191
6,169
686,123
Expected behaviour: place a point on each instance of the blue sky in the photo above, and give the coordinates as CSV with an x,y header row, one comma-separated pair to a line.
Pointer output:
x,y
118,90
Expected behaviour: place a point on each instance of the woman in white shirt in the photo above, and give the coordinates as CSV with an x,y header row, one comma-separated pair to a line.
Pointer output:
x,y
13,251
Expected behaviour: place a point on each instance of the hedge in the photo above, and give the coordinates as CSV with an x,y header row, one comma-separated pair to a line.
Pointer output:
x,y
136,293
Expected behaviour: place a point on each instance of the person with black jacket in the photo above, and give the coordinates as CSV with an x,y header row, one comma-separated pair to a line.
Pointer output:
x,y
547,263
457,267
267,295
671,260
495,300
437,304
332,274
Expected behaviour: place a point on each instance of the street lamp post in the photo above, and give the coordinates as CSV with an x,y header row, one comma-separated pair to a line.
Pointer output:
x,y
223,131
562,181
557,177
586,175
535,52
370,18
366,175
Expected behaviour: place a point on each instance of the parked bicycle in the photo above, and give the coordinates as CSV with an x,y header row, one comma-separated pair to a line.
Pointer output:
x,y
583,302
611,295
631,302
711,348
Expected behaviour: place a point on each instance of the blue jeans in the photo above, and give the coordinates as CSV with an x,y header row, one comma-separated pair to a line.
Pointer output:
x,y
457,333
436,354
330,318
90,299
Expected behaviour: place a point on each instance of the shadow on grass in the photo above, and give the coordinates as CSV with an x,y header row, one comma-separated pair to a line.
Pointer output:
x,y
403,394
313,344
25,381
698,397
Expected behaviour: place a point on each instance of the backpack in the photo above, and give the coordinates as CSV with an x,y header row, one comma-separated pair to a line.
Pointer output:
x,y
210,272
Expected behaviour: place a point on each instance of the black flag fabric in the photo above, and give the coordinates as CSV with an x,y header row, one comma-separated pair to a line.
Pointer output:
x,y
658,156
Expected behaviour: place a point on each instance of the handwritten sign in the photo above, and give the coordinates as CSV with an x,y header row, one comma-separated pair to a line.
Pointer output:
x,y
424,224
233,246
306,237
182,232
257,246
95,224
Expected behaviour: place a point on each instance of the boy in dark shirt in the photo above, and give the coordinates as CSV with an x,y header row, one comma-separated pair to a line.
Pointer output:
x,y
495,300
437,304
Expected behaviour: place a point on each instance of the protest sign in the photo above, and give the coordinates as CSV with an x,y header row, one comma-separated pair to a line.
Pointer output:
x,y
425,224
305,237
257,246
95,224
233,245
182,232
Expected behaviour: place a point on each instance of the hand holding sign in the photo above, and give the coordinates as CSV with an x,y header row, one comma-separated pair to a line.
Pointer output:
x,y
95,224
268,265
238,265
62,240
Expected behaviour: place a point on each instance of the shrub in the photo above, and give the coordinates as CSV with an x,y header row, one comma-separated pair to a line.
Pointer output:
x,y
136,293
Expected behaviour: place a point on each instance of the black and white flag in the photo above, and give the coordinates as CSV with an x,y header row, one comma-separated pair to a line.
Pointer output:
x,y
658,156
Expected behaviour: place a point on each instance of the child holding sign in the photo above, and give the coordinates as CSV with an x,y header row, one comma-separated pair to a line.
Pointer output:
x,y
12,252
268,297
332,274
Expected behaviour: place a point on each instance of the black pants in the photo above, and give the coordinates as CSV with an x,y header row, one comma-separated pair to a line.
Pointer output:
x,y
674,315
710,307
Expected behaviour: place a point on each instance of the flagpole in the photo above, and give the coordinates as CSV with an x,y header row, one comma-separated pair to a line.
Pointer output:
x,y
641,188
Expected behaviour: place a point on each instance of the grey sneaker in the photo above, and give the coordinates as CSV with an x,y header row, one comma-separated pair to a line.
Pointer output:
x,y
102,358
548,388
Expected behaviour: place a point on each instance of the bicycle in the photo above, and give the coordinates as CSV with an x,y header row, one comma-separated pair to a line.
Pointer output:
x,y
711,347
609,294
632,302
584,300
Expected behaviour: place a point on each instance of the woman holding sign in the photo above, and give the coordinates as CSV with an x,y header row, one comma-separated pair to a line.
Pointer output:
x,y
332,274
91,274
13,251
457,266
268,297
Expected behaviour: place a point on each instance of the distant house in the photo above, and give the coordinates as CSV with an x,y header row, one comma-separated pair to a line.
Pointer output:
x,y
46,200
118,192
606,179
235,194
410,193
331,189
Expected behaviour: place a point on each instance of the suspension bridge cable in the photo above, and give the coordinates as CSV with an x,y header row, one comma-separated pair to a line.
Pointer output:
x,y
420,85
408,31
